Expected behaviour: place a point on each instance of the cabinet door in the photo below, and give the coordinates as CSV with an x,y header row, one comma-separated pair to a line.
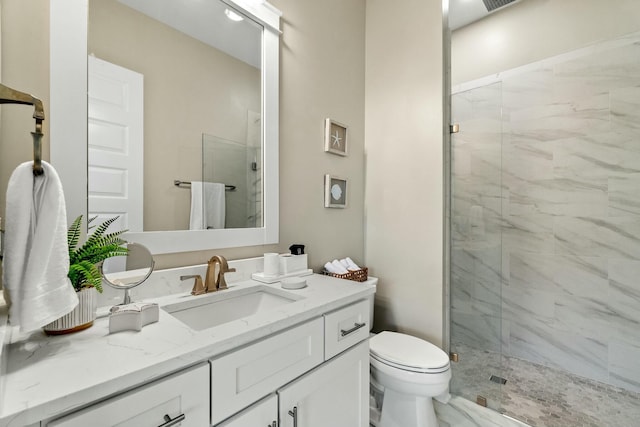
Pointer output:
x,y
262,414
179,400
242,377
335,394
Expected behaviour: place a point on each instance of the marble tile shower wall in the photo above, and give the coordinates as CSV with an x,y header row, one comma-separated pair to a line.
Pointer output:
x,y
546,214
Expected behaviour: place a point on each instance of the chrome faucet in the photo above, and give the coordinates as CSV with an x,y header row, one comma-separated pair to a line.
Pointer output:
x,y
214,279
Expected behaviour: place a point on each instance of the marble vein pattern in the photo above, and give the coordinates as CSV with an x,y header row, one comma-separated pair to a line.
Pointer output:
x,y
546,214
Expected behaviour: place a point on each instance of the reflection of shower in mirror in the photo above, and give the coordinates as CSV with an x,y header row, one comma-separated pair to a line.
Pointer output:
x,y
240,164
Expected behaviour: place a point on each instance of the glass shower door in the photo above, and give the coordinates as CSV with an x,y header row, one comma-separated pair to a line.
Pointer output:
x,y
476,245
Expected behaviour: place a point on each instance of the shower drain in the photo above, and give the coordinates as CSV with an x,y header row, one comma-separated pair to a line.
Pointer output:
x,y
497,379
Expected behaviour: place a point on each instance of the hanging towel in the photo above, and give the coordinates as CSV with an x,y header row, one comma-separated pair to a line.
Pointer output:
x,y
36,259
207,205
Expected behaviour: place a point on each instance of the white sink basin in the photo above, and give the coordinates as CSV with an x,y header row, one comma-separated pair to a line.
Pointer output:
x,y
207,311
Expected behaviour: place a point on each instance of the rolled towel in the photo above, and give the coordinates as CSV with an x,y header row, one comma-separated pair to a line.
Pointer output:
x,y
339,267
332,268
349,265
352,265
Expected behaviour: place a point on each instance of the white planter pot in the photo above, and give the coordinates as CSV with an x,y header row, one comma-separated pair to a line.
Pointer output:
x,y
80,318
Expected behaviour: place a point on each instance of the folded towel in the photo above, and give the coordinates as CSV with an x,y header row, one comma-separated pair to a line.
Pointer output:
x,y
36,259
207,205
335,268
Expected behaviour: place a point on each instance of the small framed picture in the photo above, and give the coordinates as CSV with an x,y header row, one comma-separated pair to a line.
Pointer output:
x,y
335,137
335,192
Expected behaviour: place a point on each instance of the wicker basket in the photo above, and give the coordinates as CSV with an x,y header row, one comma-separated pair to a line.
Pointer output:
x,y
358,275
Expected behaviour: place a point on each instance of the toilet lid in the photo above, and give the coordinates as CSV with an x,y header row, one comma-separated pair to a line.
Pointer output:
x,y
407,351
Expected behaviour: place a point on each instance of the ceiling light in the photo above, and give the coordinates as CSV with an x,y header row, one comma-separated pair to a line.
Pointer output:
x,y
233,15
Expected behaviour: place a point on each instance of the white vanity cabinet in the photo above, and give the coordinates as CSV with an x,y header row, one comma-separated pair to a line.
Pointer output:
x,y
313,374
178,400
319,370
335,394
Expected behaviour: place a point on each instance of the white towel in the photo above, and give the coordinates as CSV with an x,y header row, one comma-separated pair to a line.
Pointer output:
x,y
352,265
331,269
36,259
349,264
207,205
335,267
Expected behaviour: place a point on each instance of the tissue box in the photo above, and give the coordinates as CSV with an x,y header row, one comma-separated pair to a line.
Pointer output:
x,y
292,263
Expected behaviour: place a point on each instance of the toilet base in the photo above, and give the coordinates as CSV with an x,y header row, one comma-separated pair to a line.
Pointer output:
x,y
403,410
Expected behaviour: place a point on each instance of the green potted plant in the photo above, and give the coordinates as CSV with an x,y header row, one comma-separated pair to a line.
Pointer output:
x,y
84,273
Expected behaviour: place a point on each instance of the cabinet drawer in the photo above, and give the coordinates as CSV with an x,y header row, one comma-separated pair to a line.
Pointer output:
x,y
345,327
244,376
183,395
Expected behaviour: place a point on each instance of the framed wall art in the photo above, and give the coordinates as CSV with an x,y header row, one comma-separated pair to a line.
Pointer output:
x,y
335,192
335,137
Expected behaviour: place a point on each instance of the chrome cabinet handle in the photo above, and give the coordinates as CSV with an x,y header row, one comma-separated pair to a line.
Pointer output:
x,y
294,414
171,422
355,328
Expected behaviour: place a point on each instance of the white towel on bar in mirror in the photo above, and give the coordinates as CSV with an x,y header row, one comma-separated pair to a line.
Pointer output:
x,y
207,205
36,258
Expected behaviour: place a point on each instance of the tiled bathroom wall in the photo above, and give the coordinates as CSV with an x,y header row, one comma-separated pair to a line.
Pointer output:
x,y
546,213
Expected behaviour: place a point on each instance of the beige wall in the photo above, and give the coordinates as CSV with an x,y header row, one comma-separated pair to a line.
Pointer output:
x,y
322,75
322,70
536,29
404,152
180,83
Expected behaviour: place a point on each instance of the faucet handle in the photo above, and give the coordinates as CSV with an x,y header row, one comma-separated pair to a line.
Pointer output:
x,y
198,286
222,283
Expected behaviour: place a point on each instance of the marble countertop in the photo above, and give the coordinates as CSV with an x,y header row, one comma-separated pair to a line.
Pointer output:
x,y
45,376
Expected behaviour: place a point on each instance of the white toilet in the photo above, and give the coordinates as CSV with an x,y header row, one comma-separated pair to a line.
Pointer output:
x,y
411,372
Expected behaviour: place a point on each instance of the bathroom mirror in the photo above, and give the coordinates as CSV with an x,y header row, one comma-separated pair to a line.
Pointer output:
x,y
188,68
127,272
69,83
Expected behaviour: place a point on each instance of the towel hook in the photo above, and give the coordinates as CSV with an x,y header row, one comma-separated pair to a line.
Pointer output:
x,y
12,96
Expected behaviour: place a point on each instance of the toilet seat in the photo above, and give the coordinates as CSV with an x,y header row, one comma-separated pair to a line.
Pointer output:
x,y
410,368
408,353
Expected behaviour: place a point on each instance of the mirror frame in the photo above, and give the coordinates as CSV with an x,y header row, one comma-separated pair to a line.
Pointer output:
x,y
68,127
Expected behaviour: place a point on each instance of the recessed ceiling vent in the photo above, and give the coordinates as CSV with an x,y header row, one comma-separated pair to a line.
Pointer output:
x,y
492,5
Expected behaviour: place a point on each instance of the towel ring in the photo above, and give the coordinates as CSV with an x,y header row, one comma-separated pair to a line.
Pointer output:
x,y
12,96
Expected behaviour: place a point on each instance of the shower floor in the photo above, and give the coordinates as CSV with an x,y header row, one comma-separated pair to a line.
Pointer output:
x,y
541,396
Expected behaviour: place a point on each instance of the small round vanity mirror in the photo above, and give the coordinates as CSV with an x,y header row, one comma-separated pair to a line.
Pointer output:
x,y
126,272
